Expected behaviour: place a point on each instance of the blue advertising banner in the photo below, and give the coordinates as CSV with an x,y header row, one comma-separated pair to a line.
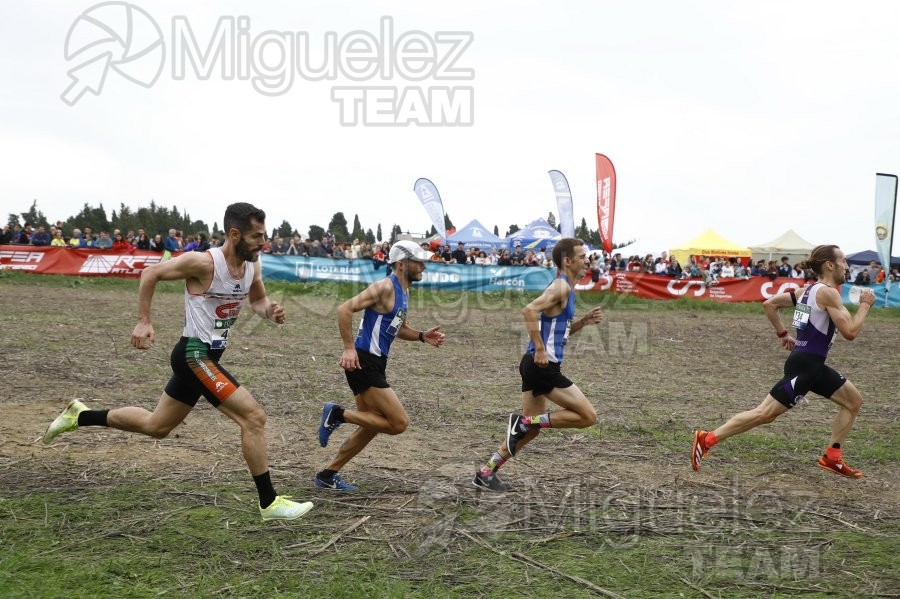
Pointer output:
x,y
436,276
883,297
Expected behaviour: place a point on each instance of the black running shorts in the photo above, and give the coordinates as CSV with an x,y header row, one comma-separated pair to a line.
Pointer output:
x,y
196,372
805,372
541,380
371,373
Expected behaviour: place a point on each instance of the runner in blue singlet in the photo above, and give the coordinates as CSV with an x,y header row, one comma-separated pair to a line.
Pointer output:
x,y
364,360
549,321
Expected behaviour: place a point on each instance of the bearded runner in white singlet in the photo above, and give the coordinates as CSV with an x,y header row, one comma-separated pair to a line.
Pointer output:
x,y
217,284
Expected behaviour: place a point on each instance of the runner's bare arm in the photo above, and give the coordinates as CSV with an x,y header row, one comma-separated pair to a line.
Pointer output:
x,y
771,307
849,326
594,316
260,303
192,265
432,336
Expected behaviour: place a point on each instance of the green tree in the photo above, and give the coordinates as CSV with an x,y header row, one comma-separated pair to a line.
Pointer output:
x,y
512,229
378,233
496,231
358,232
35,217
370,237
316,232
395,232
13,219
338,227
551,219
582,232
448,224
284,230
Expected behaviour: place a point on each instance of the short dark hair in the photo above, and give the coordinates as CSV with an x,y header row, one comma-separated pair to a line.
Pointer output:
x,y
564,247
239,216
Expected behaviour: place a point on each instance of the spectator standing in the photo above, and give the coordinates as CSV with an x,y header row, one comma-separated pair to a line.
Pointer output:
x,y
459,254
295,246
21,235
41,237
104,242
447,255
279,248
202,243
785,269
170,243
157,244
191,244
143,242
119,244
77,241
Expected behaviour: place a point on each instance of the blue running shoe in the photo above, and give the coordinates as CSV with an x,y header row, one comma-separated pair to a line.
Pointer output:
x,y
335,483
328,424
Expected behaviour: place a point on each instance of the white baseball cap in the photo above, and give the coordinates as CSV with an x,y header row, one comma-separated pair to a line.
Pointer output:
x,y
408,249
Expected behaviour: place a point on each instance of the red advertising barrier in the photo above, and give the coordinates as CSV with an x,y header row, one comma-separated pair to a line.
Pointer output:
x,y
754,289
81,262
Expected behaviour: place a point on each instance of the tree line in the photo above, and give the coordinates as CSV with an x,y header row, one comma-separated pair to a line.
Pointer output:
x,y
159,219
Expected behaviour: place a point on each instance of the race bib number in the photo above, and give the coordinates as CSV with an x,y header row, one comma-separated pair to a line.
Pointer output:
x,y
396,323
801,317
221,327
565,338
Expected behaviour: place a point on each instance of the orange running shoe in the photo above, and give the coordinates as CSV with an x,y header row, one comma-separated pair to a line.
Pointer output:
x,y
699,449
838,467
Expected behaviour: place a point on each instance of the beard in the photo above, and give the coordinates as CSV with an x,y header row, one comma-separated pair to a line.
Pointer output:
x,y
243,251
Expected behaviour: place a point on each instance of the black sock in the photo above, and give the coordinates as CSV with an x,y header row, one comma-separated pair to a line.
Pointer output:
x,y
326,474
338,412
265,489
93,418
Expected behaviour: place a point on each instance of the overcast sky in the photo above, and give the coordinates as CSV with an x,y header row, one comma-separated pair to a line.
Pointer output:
x,y
747,117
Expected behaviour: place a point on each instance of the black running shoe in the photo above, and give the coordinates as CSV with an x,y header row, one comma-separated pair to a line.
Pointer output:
x,y
491,482
513,433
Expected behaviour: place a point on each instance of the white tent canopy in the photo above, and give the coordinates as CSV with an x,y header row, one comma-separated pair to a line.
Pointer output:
x,y
788,244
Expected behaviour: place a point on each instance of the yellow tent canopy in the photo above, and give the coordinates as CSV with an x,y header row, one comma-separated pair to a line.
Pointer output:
x,y
709,243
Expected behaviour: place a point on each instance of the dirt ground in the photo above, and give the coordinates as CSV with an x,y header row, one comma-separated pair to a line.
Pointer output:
x,y
653,375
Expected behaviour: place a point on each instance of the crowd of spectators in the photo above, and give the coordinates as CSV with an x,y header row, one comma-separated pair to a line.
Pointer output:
x,y
710,269
173,241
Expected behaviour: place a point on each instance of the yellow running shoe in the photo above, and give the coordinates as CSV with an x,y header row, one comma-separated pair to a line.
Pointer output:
x,y
284,509
65,422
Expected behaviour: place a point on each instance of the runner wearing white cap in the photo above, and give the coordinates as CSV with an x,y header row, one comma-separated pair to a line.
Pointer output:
x,y
364,360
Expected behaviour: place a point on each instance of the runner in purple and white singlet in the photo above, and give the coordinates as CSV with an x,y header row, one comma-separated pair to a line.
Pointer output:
x,y
818,316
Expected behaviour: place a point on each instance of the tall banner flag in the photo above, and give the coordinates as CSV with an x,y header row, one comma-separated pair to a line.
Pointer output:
x,y
885,208
606,200
431,201
563,203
